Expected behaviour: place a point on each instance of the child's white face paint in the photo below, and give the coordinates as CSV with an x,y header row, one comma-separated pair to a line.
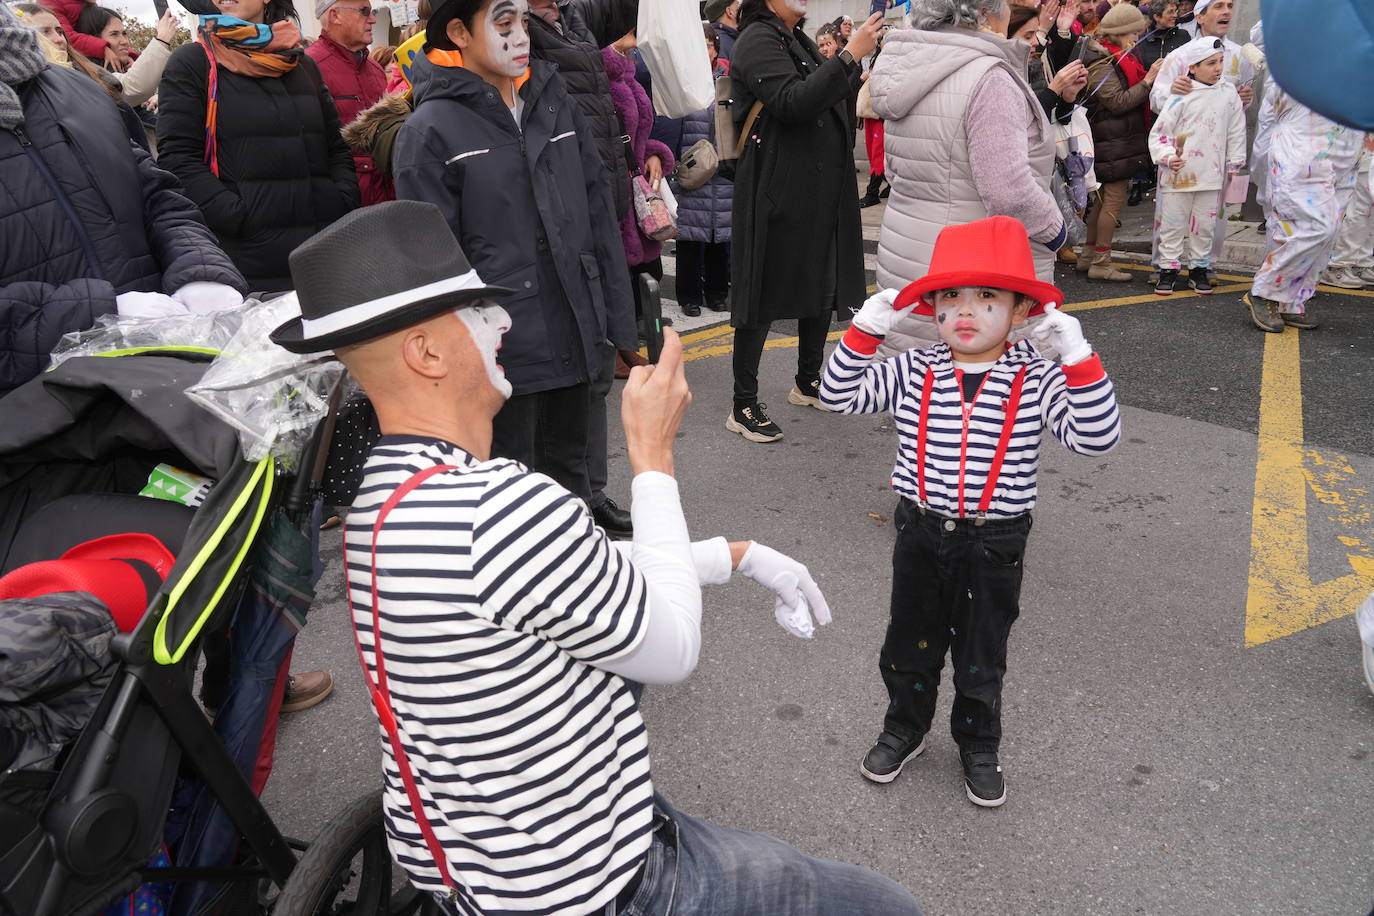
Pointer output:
x,y
486,324
974,320
508,38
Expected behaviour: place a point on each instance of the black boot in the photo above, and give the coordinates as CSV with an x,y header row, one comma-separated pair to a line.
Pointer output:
x,y
870,198
1137,191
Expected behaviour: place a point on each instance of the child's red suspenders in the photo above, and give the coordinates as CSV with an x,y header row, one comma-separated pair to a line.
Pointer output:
x,y
381,695
1008,424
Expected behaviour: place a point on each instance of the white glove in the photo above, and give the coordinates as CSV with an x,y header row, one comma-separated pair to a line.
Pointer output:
x,y
798,596
203,297
1064,333
878,316
147,305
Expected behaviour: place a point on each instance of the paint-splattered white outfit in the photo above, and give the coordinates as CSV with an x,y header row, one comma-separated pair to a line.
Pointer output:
x,y
1235,70
1207,128
1312,162
1355,241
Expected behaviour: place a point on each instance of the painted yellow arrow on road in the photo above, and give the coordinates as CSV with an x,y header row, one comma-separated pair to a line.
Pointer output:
x,y
1283,599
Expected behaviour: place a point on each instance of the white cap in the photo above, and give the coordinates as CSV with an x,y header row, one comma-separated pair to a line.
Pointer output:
x,y
1199,49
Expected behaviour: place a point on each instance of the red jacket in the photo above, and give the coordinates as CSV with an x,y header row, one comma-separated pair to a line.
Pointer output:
x,y
67,12
356,82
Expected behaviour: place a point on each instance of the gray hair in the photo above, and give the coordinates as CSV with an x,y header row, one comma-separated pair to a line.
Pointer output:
x,y
966,14
1157,8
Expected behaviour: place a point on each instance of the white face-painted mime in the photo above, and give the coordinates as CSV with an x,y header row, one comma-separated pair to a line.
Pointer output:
x,y
797,6
486,323
508,37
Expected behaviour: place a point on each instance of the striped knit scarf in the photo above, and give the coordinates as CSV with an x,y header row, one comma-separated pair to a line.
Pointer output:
x,y
21,59
248,49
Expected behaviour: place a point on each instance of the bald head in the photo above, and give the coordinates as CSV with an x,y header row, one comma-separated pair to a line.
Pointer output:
x,y
428,379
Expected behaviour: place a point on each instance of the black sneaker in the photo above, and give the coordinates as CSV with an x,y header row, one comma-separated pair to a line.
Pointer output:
x,y
983,780
690,309
1197,279
807,394
751,421
718,305
1164,286
885,759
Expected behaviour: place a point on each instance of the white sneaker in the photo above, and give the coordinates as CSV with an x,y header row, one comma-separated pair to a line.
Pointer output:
x,y
1367,275
1367,656
1342,277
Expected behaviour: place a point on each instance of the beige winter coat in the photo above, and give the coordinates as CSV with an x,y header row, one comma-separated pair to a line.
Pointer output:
x,y
921,86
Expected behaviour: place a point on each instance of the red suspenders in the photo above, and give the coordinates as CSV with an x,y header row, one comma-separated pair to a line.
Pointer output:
x,y
1008,424
381,695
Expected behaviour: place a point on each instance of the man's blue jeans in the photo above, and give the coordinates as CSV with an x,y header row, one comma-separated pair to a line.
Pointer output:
x,y
694,866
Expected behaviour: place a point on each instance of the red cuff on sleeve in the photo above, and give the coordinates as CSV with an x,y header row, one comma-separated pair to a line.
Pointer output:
x,y
1088,372
860,341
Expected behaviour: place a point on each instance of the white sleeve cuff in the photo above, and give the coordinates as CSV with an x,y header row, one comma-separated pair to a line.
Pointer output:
x,y
712,559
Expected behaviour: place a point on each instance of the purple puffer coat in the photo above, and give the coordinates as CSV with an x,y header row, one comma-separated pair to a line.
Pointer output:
x,y
633,104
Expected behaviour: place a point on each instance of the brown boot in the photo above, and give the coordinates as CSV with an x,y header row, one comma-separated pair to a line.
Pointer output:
x,y
1084,260
1101,268
1264,313
306,690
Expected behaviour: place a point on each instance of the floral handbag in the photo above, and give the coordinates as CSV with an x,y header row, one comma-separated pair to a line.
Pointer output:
x,y
651,212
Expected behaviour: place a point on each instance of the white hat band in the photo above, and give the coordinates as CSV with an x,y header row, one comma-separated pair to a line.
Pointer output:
x,y
366,311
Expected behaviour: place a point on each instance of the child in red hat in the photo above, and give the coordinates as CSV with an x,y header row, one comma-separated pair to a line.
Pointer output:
x,y
969,413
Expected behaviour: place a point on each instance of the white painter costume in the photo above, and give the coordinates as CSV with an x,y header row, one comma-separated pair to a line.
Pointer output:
x,y
1354,248
1312,162
1235,70
1264,124
1206,128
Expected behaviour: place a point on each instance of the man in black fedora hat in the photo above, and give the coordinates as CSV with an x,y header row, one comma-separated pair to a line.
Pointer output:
x,y
500,630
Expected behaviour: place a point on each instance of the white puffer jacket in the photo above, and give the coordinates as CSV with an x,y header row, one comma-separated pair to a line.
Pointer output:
x,y
921,87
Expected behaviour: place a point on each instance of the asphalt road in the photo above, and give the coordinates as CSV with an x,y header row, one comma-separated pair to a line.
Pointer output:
x,y
1156,763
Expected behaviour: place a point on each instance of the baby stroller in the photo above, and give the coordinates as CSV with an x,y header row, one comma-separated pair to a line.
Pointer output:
x,y
78,831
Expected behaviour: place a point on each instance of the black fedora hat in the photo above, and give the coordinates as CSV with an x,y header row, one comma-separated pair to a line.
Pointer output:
x,y
377,270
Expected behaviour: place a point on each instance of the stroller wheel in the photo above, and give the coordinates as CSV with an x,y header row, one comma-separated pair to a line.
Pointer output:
x,y
348,870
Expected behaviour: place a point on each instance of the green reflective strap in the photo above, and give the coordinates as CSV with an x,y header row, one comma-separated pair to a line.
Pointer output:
x,y
135,351
263,476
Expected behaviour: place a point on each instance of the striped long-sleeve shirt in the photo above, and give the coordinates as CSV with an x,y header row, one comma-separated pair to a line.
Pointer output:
x,y
1076,403
497,596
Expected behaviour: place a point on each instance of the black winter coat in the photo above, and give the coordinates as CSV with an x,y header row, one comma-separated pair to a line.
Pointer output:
x,y
532,210
587,27
1159,45
796,236
85,215
284,170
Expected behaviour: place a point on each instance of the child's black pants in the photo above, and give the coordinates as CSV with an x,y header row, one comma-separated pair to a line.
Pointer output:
x,y
955,587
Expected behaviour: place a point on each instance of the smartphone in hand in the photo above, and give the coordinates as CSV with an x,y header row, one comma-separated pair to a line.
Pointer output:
x,y
651,304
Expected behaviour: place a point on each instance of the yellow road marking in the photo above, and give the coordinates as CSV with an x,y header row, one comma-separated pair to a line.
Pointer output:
x,y
1282,598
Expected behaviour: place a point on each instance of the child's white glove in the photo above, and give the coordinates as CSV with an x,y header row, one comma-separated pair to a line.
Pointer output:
x,y
203,297
798,596
135,304
878,316
1064,333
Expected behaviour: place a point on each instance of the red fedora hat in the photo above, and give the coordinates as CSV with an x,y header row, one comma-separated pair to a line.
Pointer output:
x,y
992,252
101,567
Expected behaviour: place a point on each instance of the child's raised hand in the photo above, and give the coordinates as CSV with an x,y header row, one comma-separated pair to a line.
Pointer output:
x,y
1064,333
879,313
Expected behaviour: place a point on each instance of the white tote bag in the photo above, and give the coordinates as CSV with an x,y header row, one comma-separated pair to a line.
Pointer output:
x,y
671,43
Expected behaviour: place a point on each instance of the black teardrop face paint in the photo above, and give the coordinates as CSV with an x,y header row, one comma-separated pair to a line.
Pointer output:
x,y
507,32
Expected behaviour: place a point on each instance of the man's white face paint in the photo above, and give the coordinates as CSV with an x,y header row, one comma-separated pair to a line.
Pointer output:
x,y
508,36
797,6
486,324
